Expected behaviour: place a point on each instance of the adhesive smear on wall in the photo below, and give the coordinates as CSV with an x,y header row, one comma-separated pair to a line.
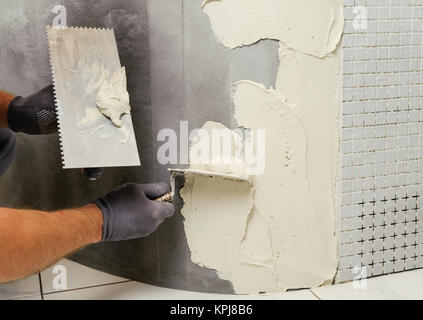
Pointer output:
x,y
278,232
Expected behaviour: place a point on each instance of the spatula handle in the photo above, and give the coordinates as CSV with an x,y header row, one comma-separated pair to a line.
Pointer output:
x,y
165,198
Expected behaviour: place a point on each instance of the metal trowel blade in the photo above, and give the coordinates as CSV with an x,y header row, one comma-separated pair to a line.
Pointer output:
x,y
177,172
81,59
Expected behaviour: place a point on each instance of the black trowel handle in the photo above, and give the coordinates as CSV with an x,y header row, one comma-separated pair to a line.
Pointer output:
x,y
93,174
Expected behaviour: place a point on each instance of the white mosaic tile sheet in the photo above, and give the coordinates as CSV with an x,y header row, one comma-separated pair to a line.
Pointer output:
x,y
381,210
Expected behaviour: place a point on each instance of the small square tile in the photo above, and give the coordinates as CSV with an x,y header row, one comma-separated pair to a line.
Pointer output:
x,y
384,153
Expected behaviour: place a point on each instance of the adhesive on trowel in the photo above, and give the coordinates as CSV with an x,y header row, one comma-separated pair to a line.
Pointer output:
x,y
92,102
113,99
178,172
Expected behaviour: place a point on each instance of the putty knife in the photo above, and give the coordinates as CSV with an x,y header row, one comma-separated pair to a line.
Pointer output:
x,y
81,59
178,172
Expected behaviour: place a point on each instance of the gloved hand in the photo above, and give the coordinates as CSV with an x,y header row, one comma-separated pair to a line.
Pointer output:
x,y
93,174
129,211
35,114
7,149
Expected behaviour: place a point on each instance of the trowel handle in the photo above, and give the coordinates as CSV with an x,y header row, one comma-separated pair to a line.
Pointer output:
x,y
93,174
165,198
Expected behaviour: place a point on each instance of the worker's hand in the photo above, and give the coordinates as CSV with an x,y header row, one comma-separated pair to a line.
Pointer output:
x,y
7,149
129,211
93,174
35,114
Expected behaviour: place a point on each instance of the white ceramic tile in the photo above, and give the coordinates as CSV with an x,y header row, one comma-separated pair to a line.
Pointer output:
x,y
77,276
382,107
404,285
22,288
138,291
37,297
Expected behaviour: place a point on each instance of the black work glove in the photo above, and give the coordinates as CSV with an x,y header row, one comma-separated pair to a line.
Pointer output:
x,y
130,212
7,149
93,174
35,114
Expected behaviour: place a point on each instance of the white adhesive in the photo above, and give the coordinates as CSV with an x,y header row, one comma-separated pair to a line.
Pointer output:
x,y
92,115
207,200
279,233
310,26
125,133
113,97
215,159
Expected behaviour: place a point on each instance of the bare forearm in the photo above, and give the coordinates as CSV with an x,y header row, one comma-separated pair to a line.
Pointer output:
x,y
5,99
30,241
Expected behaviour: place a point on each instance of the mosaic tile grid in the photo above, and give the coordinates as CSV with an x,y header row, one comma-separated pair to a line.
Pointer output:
x,y
381,210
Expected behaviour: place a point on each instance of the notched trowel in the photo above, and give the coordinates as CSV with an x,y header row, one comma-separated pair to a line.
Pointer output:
x,y
82,59
182,172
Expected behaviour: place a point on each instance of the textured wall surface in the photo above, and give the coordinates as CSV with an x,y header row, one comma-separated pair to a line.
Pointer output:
x,y
177,71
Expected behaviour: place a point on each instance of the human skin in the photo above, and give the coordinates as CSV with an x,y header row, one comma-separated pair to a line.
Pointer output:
x,y
5,99
30,240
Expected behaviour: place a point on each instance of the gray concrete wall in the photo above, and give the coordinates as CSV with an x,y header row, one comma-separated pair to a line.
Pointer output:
x,y
176,71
